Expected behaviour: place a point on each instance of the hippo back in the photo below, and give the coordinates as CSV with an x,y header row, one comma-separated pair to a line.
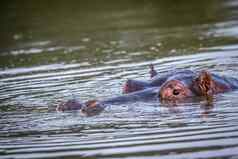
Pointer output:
x,y
229,81
181,75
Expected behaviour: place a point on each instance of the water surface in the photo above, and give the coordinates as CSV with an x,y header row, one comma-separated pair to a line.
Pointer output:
x,y
55,51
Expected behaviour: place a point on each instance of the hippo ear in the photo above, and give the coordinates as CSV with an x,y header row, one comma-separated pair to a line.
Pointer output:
x,y
204,83
152,71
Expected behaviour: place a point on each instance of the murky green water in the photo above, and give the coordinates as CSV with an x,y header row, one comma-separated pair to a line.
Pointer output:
x,y
58,50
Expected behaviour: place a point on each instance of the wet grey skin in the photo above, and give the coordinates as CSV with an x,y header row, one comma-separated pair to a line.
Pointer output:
x,y
148,94
149,91
158,80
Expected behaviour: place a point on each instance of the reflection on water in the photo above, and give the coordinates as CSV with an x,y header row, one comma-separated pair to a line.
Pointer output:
x,y
98,32
54,51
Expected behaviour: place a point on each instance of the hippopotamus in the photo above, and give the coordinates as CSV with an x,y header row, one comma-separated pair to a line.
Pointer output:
x,y
173,87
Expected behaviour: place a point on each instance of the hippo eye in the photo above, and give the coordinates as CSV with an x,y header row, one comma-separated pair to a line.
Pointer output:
x,y
175,92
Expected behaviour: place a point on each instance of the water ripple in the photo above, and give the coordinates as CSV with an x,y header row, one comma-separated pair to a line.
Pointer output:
x,y
30,127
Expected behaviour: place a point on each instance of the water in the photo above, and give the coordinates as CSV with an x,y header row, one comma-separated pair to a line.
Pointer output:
x,y
55,51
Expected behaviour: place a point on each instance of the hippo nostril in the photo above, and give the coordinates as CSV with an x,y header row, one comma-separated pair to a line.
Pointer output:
x,y
175,92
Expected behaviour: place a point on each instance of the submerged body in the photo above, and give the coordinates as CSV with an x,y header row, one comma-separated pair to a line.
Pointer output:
x,y
175,86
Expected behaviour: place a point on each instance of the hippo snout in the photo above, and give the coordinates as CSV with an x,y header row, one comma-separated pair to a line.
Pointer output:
x,y
69,105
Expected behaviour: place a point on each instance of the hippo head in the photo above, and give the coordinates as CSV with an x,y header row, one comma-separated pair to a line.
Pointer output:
x,y
202,84
175,90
